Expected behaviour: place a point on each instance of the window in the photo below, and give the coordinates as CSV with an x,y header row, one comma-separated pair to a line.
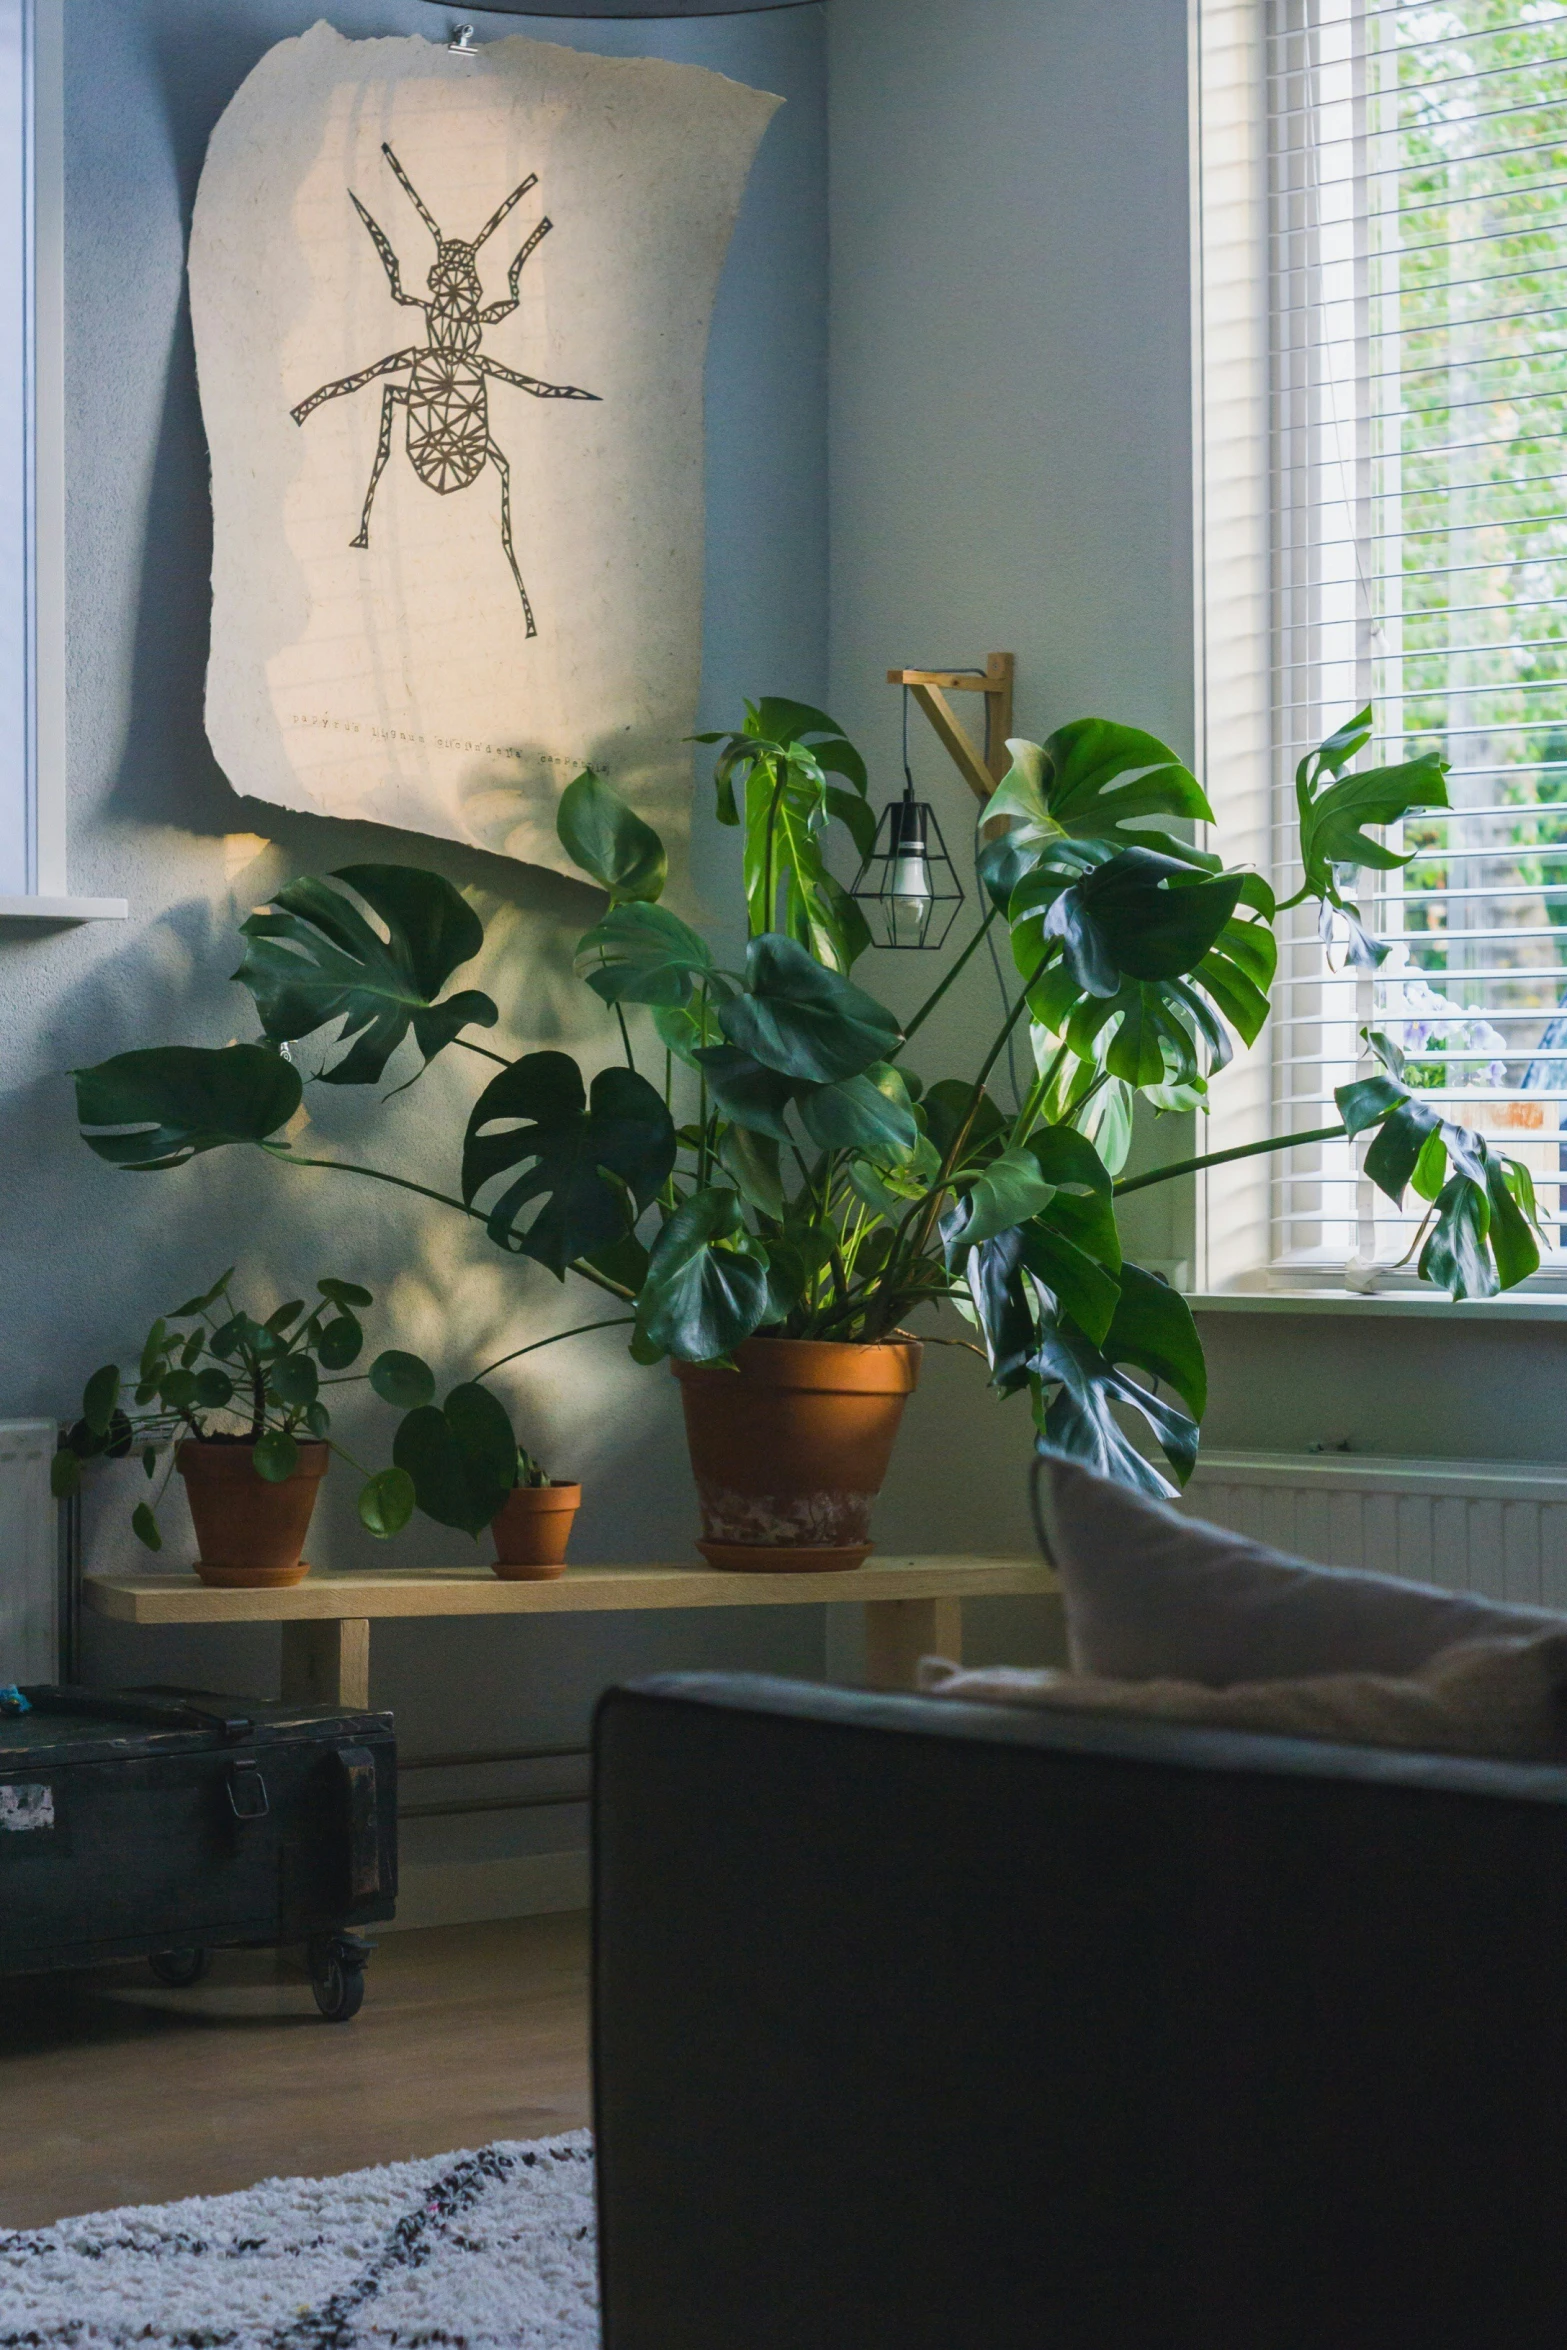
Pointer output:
x,y
32,501
1383,206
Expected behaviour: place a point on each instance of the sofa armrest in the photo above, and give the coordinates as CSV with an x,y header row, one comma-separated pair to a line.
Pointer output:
x,y
921,2024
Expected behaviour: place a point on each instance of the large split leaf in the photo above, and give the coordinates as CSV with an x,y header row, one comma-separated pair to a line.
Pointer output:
x,y
643,954
595,1162
1139,916
803,1020
312,958
609,840
707,1285
1483,1234
175,1101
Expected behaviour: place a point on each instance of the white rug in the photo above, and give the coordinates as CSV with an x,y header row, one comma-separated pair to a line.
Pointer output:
x,y
486,2251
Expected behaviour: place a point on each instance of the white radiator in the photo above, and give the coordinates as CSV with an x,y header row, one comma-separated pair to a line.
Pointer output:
x,y
29,1553
1498,1528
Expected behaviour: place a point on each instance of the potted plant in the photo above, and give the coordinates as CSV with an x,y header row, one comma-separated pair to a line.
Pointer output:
x,y
235,1405
767,1188
466,1469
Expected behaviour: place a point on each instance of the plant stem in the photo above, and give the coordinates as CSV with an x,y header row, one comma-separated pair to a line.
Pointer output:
x,y
932,1000
625,1038
376,1175
620,1322
1035,1099
484,1054
587,1272
1247,1150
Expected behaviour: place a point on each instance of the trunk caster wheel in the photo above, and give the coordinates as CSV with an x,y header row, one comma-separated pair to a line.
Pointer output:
x,y
179,1969
337,1974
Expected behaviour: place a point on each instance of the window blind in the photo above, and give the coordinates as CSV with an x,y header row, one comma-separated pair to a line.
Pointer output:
x,y
1417,274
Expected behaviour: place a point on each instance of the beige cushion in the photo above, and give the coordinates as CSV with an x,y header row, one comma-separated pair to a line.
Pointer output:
x,y
1148,1591
1504,1698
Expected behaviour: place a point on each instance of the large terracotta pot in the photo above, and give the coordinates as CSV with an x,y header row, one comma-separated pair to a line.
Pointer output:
x,y
532,1530
790,1449
249,1533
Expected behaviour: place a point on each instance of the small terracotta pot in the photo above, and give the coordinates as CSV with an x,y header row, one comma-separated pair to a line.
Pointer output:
x,y
790,1450
249,1532
532,1530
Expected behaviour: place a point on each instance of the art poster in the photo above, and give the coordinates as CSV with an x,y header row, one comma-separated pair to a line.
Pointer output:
x,y
451,315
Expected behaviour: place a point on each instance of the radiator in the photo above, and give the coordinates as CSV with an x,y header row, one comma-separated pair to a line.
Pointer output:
x,y
29,1554
1498,1528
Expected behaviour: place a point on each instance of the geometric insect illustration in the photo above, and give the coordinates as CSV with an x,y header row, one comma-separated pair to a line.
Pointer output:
x,y
446,396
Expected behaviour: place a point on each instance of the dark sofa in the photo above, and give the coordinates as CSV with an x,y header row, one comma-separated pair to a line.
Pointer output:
x,y
924,2026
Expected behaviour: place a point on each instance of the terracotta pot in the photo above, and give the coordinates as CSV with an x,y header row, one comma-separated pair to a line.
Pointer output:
x,y
790,1450
249,1533
532,1531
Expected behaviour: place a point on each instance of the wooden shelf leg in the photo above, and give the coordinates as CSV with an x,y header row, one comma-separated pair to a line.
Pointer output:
x,y
898,1632
327,1662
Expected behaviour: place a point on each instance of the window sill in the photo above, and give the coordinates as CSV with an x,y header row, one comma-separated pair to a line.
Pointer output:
x,y
1533,1306
41,909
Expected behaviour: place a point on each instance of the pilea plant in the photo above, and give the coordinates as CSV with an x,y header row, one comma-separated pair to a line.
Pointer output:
x,y
211,1373
764,1157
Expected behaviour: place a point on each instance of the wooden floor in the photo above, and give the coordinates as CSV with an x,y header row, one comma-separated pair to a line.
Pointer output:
x,y
114,2090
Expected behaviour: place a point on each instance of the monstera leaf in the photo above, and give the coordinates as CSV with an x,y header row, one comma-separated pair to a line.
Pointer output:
x,y
707,1285
803,1020
1076,1384
594,1161
180,1100
1092,780
609,840
1483,1224
641,954
798,772
313,958
1334,808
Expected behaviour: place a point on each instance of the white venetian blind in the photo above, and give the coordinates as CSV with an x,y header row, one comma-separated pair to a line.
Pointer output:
x,y
1417,269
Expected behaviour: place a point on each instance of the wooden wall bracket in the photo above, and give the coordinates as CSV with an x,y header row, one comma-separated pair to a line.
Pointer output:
x,y
930,688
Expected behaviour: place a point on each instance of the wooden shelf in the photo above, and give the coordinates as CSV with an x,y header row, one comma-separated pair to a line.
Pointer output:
x,y
914,1606
474,1591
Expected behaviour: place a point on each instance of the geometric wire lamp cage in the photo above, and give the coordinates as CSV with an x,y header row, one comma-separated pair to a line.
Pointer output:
x,y
908,886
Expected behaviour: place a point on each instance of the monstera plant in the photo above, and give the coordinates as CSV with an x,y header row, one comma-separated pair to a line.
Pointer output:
x,y
760,1178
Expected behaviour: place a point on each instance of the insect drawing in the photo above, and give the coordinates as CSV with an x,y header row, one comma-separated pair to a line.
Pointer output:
x,y
447,393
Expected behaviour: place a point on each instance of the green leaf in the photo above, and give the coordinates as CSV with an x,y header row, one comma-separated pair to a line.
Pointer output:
x,y
178,1390
1456,1257
803,1020
1153,1328
145,1527
276,1456
1139,916
744,1092
1010,1191
198,1305
1513,1242
706,1287
461,1458
214,1389
595,1162
642,954
181,1100
751,1162
1332,815
65,1474
403,1379
1099,776
276,1322
1081,1287
607,839
340,1343
945,1107
345,1293
870,1113
386,1503
99,1398
294,1381
313,958
687,1030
